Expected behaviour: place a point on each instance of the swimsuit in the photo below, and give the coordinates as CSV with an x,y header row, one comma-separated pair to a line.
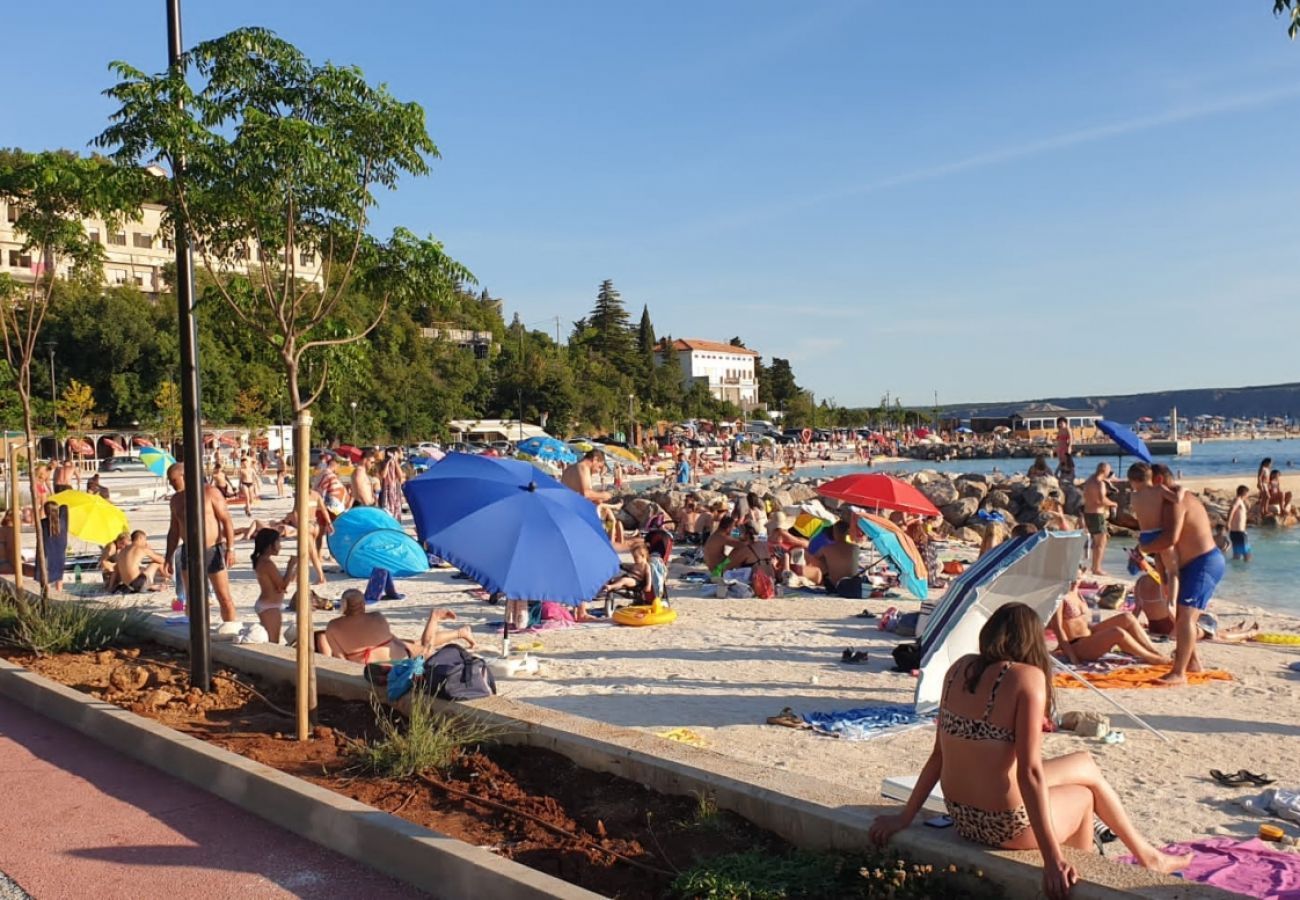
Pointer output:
x,y
1096,522
1197,578
1240,546
993,828
216,557
1146,537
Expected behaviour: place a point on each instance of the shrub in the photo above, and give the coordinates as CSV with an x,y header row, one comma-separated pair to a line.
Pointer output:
x,y
69,627
756,875
430,740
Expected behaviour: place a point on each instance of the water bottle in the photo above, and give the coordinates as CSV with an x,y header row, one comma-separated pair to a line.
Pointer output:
x,y
76,573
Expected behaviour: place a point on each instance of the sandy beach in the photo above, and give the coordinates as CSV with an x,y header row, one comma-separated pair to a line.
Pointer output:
x,y
726,665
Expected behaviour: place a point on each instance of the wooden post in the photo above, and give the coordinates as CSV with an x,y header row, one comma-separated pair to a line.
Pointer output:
x,y
306,637
16,508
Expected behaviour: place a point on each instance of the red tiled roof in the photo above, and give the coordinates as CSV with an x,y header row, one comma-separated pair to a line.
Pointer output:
x,y
688,344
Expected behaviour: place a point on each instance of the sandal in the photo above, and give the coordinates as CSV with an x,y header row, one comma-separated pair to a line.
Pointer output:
x,y
1257,780
865,614
787,718
854,657
1229,780
319,602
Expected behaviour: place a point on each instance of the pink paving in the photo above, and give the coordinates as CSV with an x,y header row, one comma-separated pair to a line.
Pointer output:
x,y
82,820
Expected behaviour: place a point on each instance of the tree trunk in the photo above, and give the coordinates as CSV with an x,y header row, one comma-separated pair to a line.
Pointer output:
x,y
42,573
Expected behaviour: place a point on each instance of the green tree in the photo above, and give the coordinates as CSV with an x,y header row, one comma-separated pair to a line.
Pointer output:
x,y
782,389
1288,7
49,195
76,405
612,330
167,402
283,158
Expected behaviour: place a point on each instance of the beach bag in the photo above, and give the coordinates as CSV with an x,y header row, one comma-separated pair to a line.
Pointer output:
x,y
763,585
453,673
907,657
401,676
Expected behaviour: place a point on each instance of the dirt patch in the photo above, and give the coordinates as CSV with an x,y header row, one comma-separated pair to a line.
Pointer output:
x,y
607,834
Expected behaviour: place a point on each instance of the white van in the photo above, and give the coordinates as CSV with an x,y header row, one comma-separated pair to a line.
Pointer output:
x,y
762,429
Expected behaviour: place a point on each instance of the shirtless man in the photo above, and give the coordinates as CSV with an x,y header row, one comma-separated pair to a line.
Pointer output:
x,y
138,565
838,560
64,474
1096,510
577,476
1148,503
366,637
219,555
250,481
1185,528
717,544
1237,516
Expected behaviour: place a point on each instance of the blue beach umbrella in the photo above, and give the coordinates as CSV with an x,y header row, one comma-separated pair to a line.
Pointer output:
x,y
156,461
1129,443
889,545
512,528
548,448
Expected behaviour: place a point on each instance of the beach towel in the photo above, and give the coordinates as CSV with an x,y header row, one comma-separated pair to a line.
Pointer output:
x,y
1251,867
867,722
1281,802
1135,677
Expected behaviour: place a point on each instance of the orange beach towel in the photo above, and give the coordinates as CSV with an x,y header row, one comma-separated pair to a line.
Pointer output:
x,y
1135,677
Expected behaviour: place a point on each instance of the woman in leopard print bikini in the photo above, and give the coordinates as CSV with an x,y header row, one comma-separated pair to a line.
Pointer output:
x,y
988,758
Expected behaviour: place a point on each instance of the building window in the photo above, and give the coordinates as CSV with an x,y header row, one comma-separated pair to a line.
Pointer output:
x,y
117,276
142,241
93,234
117,239
241,252
19,260
12,214
306,258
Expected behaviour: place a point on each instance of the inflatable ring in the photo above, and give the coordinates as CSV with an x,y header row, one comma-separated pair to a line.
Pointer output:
x,y
806,435
1268,637
652,614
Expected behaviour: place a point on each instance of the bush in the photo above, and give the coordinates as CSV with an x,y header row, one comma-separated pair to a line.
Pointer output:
x,y
756,875
69,627
430,740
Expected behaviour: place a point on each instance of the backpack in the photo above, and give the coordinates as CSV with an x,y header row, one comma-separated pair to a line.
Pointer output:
x,y
762,584
453,673
907,657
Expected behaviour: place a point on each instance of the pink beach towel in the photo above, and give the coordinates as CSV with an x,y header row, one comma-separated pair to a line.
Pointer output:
x,y
1251,867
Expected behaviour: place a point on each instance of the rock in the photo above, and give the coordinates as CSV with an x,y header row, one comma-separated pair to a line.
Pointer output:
x,y
1073,505
999,499
781,498
927,476
641,511
801,493
626,519
977,477
969,535
940,493
974,489
1032,496
957,512
1045,483
104,657
158,698
128,679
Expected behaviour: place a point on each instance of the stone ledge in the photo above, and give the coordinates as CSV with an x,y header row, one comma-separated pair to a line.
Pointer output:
x,y
439,865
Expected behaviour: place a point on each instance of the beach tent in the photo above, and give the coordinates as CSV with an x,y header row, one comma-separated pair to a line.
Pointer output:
x,y
367,537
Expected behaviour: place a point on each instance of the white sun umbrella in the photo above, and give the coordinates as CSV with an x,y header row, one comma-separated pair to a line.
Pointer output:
x,y
1035,570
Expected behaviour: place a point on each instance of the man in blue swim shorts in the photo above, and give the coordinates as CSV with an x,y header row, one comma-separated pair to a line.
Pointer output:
x,y
1186,529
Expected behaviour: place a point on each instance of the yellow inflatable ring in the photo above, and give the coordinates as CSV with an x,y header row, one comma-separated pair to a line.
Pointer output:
x,y
655,614
1274,638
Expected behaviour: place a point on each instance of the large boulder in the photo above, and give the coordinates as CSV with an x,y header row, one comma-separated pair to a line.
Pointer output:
x,y
999,499
940,493
976,489
1073,503
641,511
800,493
928,476
959,511
781,498
967,535
978,477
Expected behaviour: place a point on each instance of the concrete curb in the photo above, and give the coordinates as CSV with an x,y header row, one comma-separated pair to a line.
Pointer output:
x,y
806,811
437,864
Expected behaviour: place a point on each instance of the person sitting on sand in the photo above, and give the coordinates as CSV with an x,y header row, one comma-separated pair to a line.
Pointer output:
x,y
717,545
271,582
988,757
838,560
108,560
695,524
1040,468
366,637
1152,604
138,566
1080,642
750,552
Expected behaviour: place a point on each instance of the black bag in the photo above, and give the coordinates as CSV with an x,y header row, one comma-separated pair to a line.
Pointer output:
x,y
907,657
453,673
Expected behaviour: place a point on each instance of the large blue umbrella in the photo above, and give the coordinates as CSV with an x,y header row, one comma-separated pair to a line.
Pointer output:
x,y
548,448
890,547
157,461
512,528
1129,443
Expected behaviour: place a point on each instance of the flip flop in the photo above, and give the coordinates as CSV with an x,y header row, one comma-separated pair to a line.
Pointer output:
x,y
854,657
1257,780
865,614
1229,780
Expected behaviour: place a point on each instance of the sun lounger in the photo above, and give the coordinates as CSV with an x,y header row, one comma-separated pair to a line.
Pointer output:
x,y
899,787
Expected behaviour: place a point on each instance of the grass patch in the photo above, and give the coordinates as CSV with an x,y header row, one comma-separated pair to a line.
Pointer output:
x,y
706,816
68,626
756,875
430,740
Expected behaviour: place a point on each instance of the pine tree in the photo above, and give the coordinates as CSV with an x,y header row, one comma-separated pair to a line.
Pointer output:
x,y
645,346
613,330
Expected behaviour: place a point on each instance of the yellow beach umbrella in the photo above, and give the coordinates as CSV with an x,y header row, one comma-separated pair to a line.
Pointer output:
x,y
620,452
91,518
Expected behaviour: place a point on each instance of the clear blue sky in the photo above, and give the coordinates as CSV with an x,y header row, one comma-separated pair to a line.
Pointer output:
x,y
998,200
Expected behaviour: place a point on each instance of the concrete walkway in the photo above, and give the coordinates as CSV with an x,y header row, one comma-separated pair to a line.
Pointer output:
x,y
81,819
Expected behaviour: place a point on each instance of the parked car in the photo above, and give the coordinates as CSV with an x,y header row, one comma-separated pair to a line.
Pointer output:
x,y
124,464
505,448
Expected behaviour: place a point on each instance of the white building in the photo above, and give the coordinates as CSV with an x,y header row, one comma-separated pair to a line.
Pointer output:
x,y
727,371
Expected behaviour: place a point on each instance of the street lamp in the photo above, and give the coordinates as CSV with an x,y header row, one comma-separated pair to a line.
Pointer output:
x,y
631,419
135,423
354,422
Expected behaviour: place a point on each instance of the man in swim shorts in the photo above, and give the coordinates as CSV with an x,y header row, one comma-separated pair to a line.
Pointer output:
x,y
1237,516
1148,503
138,565
218,535
1186,529
1096,510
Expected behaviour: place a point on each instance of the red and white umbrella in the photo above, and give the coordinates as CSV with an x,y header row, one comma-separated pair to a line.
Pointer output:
x,y
141,442
114,445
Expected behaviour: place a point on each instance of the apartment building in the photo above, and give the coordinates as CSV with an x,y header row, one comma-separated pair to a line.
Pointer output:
x,y
727,371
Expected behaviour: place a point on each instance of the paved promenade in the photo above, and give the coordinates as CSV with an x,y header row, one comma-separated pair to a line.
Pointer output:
x,y
82,820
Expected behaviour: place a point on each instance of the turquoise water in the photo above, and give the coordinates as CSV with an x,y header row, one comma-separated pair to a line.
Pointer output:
x,y
1270,579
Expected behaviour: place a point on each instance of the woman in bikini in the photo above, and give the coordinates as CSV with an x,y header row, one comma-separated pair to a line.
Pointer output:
x,y
1081,642
271,582
249,482
364,637
988,758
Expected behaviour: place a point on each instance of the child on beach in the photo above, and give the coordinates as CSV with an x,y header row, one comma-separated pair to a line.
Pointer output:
x,y
1237,517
